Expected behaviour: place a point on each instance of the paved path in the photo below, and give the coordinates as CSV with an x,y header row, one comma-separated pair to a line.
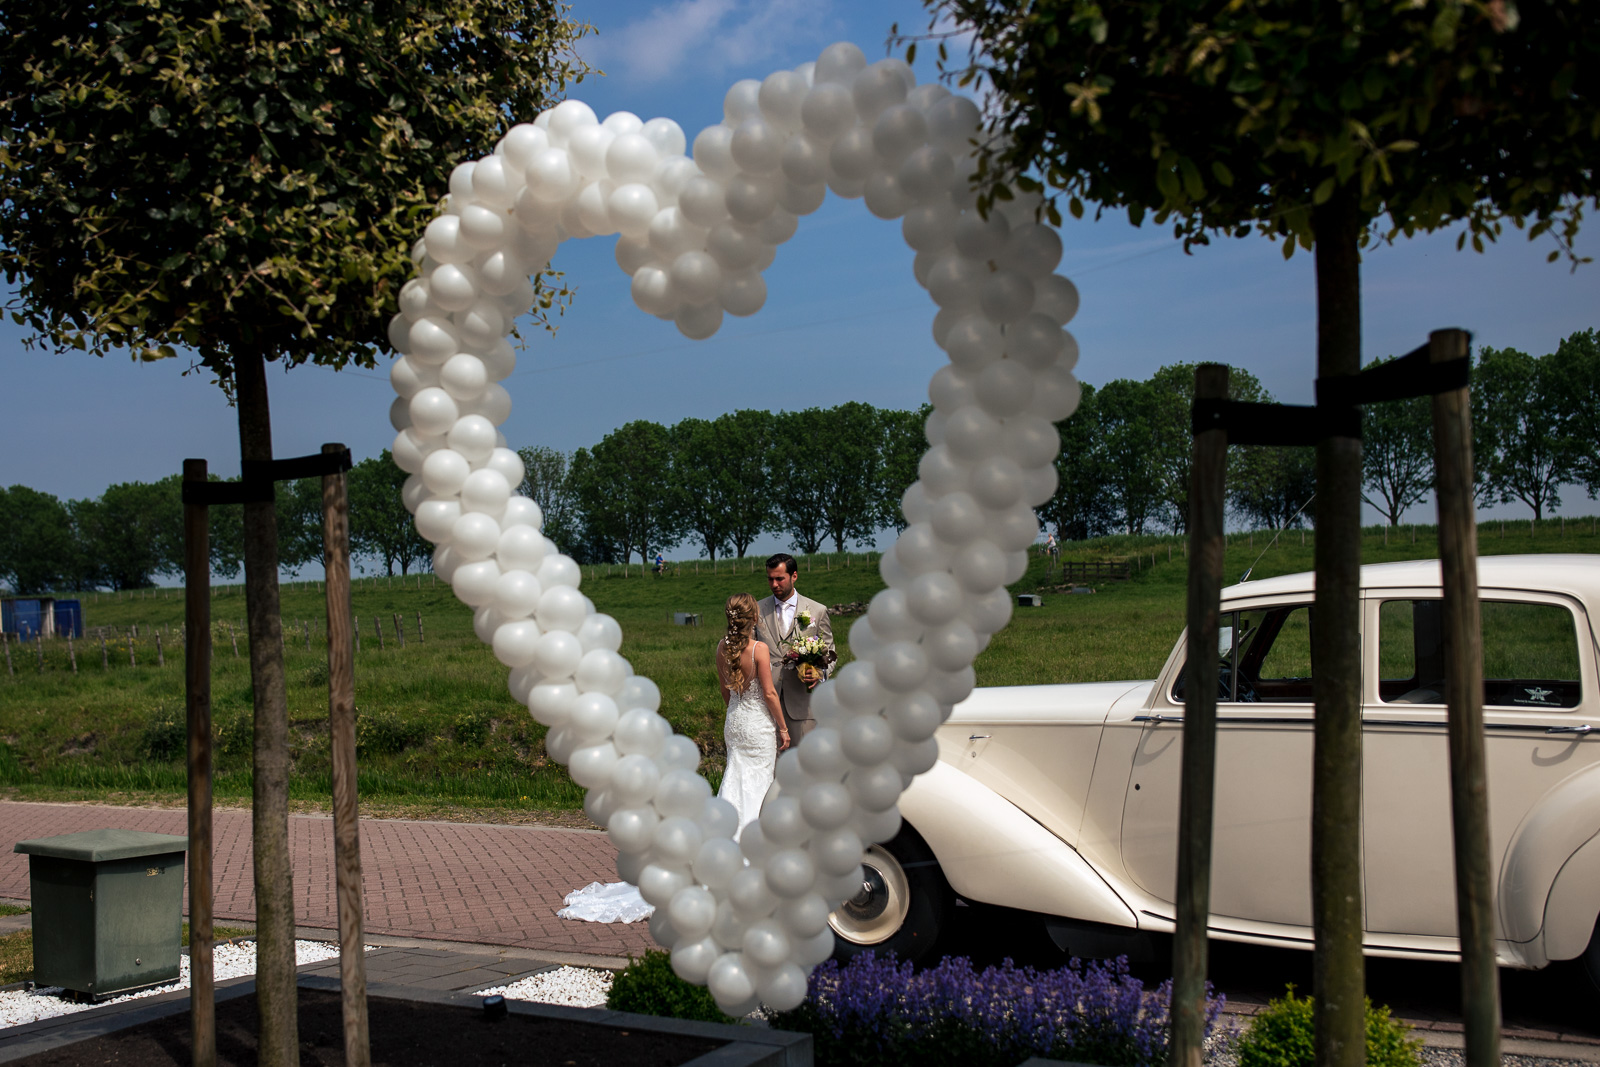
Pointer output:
x,y
463,882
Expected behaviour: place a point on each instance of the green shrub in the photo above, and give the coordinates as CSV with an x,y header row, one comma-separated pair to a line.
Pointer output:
x,y
385,732
166,736
1283,1036
649,986
472,727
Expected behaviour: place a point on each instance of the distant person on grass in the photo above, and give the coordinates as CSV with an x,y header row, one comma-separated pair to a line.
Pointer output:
x,y
786,616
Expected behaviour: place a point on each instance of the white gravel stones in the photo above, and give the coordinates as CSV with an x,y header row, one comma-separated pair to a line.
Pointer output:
x,y
697,231
575,987
20,1006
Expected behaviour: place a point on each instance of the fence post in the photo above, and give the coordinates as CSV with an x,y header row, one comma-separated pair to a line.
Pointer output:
x,y
342,727
399,631
1197,790
377,624
72,654
421,640
105,656
233,636
355,630
1463,666
161,655
5,639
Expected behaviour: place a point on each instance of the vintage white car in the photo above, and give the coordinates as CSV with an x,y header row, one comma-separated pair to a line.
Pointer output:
x,y
1063,799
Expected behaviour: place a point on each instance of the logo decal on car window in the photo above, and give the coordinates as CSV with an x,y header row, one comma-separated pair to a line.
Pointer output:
x,y
1537,696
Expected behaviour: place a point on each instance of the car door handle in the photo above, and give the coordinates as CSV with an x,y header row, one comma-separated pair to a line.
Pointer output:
x,y
1579,730
1158,718
977,737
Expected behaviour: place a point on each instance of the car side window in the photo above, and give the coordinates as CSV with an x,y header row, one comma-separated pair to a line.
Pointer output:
x,y
1264,655
1530,654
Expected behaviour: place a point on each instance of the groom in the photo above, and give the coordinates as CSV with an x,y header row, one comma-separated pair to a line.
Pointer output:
x,y
784,616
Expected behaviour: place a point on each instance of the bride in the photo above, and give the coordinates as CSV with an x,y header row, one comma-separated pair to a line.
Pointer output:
x,y
755,732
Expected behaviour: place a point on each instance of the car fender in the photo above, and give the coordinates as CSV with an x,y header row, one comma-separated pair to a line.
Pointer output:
x,y
1574,905
1545,846
990,851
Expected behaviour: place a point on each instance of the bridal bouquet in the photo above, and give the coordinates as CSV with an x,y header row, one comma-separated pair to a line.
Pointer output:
x,y
810,657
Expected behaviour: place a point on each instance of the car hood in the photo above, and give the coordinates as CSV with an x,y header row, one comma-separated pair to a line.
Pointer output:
x,y
1081,702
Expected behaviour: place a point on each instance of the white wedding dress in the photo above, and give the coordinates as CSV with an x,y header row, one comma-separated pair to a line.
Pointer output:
x,y
752,742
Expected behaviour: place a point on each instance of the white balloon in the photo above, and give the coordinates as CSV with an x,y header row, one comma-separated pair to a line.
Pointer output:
x,y
436,520
954,123
897,132
825,805
874,788
658,884
444,472
474,536
934,599
757,146
517,594
852,156
652,291
821,754
730,982
1057,298
696,277
482,227
601,671
632,208
713,153
445,244
558,655
1006,297
452,286
464,376
699,321
692,910
551,702
474,583
790,872
750,199
665,136
827,110
717,861
878,88
702,202
867,739
521,547
884,198
744,293
1004,387
514,642
433,341
561,607
915,716
640,692
742,102
801,199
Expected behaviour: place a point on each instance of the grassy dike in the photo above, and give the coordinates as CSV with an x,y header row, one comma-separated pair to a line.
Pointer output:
x,y
440,735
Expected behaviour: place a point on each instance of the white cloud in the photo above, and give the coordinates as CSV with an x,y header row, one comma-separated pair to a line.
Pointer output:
x,y
704,36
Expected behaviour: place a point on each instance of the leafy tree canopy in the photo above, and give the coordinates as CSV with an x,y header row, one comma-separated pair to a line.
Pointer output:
x,y
247,176
1221,117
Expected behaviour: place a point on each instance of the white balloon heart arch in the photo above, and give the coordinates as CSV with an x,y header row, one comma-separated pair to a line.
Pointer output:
x,y
747,917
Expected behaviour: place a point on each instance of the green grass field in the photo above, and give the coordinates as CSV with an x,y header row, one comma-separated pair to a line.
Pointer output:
x,y
438,729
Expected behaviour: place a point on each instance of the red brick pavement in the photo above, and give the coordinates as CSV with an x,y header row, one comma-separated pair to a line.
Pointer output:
x,y
498,885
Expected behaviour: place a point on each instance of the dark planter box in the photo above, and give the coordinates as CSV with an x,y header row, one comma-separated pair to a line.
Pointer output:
x,y
734,1046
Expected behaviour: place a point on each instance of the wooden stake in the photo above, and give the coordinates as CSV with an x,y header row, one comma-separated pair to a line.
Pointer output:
x,y
399,631
355,630
72,654
377,624
1197,788
1463,688
38,648
342,726
131,661
197,693
161,656
420,638
5,639
105,656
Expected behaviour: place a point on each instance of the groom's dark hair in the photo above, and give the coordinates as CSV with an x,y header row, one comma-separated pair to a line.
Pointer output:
x,y
784,560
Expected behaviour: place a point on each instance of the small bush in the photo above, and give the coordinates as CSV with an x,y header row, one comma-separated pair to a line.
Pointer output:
x,y
1284,1036
650,987
879,1011
472,727
166,737
385,732
316,675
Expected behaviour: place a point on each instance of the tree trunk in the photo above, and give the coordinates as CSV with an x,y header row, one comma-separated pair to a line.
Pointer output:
x,y
279,1039
1338,967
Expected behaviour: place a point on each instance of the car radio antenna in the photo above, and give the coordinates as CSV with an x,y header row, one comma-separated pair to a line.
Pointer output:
x,y
1245,577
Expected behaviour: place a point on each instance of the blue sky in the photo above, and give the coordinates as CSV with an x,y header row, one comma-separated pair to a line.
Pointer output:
x,y
844,319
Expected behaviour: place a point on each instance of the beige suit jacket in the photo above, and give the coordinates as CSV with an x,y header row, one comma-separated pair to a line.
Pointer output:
x,y
792,693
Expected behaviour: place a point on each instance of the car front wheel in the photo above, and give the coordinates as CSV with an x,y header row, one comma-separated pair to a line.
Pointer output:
x,y
902,906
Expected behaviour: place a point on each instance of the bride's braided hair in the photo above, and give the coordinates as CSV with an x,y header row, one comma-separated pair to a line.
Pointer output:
x,y
741,611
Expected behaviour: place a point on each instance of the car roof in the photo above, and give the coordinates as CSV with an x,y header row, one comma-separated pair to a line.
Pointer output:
x,y
1577,574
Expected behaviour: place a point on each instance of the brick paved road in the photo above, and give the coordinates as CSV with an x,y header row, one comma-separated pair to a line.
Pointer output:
x,y
498,885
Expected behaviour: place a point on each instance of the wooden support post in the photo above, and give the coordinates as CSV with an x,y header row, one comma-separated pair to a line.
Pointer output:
x,y
5,639
105,656
377,624
131,661
355,630
72,654
399,631
1197,789
233,636
197,693
342,726
1463,689
420,638
161,655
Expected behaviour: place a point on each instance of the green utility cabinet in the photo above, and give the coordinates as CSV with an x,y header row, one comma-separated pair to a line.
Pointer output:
x,y
107,910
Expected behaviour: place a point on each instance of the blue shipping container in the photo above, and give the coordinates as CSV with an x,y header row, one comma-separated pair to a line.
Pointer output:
x,y
27,617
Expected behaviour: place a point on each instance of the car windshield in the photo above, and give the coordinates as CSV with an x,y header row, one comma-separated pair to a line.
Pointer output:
x,y
1264,656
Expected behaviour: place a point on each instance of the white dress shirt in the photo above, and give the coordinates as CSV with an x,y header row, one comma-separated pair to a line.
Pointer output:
x,y
786,611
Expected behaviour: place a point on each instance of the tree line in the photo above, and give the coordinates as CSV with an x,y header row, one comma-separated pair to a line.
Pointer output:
x,y
132,534
813,477
1124,463
835,476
